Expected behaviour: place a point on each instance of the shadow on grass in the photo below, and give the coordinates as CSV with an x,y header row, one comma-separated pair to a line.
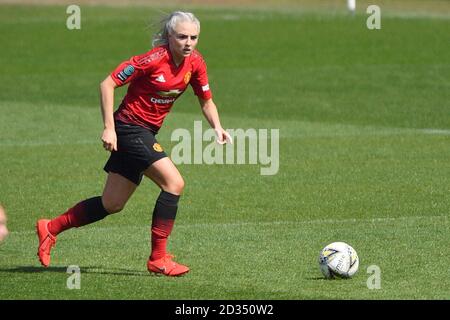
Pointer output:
x,y
325,279
316,278
91,270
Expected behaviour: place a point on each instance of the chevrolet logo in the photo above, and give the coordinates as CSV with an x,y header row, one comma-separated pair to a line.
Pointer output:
x,y
171,93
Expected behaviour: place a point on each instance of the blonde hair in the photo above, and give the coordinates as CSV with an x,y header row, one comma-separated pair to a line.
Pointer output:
x,y
167,26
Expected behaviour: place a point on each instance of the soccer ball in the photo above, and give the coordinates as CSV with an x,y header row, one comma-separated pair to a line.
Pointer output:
x,y
338,260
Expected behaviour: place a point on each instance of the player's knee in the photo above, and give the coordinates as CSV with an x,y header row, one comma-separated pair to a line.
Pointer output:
x,y
175,186
113,206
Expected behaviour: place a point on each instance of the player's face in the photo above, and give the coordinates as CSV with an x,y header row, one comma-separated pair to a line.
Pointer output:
x,y
183,39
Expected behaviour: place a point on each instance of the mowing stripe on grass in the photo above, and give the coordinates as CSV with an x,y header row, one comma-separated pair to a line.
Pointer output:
x,y
300,129
266,223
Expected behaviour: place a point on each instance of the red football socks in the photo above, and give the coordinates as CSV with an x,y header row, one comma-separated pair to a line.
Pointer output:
x,y
163,220
85,212
161,230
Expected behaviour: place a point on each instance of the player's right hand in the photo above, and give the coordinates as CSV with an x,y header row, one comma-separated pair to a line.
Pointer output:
x,y
109,139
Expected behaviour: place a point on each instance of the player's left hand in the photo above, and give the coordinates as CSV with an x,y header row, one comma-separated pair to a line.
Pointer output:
x,y
223,136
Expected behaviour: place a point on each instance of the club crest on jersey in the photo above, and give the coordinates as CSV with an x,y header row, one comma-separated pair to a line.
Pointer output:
x,y
157,147
171,93
187,77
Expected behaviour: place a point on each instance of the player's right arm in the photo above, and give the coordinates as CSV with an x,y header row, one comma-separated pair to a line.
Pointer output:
x,y
109,136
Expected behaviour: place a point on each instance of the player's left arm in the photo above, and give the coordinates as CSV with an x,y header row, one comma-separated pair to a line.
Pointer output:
x,y
211,114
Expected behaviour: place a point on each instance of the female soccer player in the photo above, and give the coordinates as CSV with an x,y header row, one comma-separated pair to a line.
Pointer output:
x,y
156,79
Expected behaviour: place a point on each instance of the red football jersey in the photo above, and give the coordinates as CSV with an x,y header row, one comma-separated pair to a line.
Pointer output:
x,y
155,83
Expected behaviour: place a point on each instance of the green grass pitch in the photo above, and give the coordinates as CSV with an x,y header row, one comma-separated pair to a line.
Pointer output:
x,y
364,120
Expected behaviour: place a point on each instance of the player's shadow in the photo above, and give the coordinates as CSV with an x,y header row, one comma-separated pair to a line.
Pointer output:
x,y
91,270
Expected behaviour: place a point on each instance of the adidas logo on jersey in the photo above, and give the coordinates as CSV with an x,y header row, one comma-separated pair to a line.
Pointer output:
x,y
161,78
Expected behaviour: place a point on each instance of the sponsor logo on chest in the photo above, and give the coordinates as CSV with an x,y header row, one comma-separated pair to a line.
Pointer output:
x,y
170,93
162,84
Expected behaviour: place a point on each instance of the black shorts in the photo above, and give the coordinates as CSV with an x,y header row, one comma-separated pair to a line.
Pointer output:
x,y
137,149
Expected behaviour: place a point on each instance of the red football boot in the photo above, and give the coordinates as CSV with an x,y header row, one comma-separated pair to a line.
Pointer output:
x,y
167,266
46,241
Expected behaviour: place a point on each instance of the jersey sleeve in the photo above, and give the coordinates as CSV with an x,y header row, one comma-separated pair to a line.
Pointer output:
x,y
199,81
133,68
